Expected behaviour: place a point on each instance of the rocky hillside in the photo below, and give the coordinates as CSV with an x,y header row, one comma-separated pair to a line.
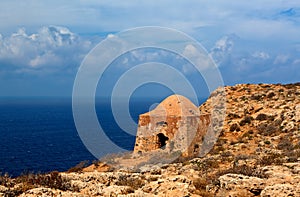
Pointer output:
x,y
257,154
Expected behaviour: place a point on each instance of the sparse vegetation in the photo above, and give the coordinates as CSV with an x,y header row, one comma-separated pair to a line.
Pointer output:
x,y
200,184
233,116
271,95
271,159
133,182
25,182
244,170
234,127
285,144
246,120
261,117
267,129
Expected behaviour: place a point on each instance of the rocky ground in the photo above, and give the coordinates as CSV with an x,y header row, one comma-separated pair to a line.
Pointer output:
x,y
257,154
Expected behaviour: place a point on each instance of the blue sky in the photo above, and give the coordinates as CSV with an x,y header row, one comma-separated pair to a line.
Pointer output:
x,y
42,43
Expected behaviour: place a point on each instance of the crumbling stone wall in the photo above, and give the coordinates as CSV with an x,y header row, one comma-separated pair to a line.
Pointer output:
x,y
175,125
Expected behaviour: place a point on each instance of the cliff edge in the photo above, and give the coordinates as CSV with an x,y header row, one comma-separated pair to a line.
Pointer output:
x,y
257,154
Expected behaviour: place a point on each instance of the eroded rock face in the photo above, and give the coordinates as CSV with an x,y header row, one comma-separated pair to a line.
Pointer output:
x,y
174,125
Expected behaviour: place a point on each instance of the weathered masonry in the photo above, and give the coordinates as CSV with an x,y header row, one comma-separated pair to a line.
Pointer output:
x,y
174,125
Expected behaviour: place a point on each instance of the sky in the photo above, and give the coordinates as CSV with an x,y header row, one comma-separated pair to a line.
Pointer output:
x,y
42,43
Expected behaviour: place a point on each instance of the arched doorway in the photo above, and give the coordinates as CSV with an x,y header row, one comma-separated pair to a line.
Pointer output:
x,y
162,140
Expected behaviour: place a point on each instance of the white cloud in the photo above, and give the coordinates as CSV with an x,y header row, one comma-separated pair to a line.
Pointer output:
x,y
200,58
222,48
296,62
281,59
51,46
119,15
261,55
43,60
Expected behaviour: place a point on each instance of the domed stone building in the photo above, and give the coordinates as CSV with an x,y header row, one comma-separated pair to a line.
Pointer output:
x,y
174,125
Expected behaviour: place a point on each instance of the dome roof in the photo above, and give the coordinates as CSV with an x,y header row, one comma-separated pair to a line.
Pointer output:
x,y
175,105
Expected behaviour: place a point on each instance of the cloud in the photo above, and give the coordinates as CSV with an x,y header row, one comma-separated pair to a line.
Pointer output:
x,y
244,60
281,59
261,55
222,48
199,58
51,46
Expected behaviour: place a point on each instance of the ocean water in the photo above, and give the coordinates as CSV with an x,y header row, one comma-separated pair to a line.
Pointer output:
x,y
39,135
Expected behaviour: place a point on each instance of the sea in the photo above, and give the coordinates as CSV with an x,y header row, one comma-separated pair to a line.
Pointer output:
x,y
38,135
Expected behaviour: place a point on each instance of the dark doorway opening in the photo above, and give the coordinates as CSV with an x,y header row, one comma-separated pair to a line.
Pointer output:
x,y
196,148
162,140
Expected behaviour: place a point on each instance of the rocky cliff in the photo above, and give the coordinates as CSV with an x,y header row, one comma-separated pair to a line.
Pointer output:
x,y
257,154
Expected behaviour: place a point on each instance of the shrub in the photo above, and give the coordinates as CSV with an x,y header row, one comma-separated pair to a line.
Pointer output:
x,y
243,98
267,142
271,159
267,129
29,181
297,146
233,116
258,97
234,127
244,170
206,164
226,154
241,157
5,180
261,117
285,144
200,183
271,95
248,135
293,155
52,180
246,120
134,183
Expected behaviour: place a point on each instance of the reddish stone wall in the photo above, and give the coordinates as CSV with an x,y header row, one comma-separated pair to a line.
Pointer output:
x,y
183,133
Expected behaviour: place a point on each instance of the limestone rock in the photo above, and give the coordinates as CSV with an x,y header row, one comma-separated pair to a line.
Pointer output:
x,y
280,190
46,192
3,189
237,184
114,190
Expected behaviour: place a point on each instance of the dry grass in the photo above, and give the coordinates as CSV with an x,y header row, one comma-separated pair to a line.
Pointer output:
x,y
25,182
244,170
134,183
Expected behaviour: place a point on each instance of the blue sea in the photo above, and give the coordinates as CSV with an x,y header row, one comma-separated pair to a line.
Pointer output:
x,y
39,134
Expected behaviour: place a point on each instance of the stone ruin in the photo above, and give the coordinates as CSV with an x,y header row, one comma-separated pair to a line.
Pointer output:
x,y
174,125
